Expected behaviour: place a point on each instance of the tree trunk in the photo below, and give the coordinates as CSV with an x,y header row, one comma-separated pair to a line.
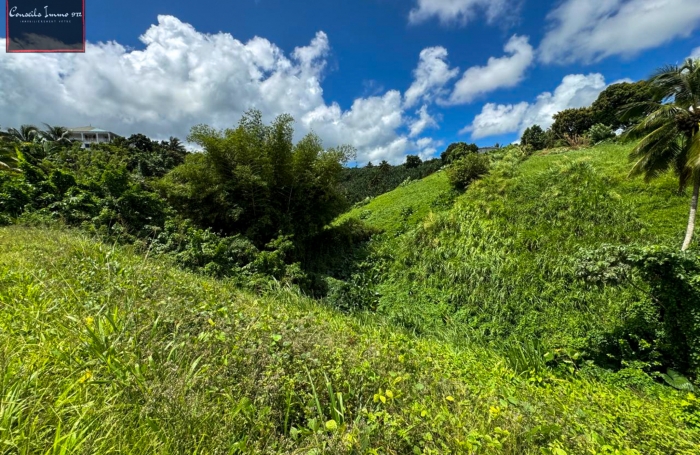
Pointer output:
x,y
691,218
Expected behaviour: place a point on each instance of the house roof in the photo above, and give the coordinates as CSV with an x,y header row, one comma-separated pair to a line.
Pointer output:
x,y
87,129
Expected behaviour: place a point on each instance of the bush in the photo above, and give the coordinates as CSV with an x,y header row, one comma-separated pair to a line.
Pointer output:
x,y
664,329
465,170
599,133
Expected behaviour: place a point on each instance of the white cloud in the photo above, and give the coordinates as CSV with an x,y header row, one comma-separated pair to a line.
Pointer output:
x,y
498,73
591,30
695,53
427,147
575,90
424,120
430,77
183,77
459,11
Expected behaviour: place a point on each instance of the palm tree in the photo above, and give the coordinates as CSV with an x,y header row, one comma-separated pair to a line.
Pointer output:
x,y
55,134
175,145
670,131
25,133
8,159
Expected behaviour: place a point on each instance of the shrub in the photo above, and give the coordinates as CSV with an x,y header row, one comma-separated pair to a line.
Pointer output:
x,y
599,133
465,170
664,329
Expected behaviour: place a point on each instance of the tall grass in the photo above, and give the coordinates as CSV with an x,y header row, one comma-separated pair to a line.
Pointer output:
x,y
103,351
500,264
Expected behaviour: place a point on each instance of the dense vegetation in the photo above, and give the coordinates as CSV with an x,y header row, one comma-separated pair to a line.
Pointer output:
x,y
532,299
361,183
105,352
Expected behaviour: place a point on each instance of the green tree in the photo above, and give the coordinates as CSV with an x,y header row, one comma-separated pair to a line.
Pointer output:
x,y
457,150
413,161
600,132
670,131
572,122
253,180
55,134
535,137
607,109
25,133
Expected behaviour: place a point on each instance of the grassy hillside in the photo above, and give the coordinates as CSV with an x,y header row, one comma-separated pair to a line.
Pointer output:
x,y
404,206
104,351
503,263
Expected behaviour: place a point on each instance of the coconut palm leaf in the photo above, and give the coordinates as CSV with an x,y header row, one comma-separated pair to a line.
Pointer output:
x,y
670,134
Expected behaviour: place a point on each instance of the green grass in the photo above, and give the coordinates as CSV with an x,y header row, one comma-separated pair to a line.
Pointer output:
x,y
105,351
405,205
501,263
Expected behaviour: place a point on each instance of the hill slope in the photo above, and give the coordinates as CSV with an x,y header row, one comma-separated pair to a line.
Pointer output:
x,y
103,351
404,206
503,263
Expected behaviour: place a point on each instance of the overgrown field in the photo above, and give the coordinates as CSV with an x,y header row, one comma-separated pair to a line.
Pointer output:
x,y
511,261
405,206
105,351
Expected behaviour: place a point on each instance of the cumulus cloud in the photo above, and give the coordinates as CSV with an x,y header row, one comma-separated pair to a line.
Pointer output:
x,y
424,120
589,31
459,11
430,77
575,90
695,53
183,77
498,73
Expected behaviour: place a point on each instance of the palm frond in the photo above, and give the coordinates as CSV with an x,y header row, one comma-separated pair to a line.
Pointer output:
x,y
666,113
656,152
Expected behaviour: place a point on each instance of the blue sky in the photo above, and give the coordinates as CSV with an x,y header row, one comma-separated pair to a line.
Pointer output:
x,y
350,71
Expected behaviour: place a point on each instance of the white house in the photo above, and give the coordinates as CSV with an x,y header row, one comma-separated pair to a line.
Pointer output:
x,y
88,135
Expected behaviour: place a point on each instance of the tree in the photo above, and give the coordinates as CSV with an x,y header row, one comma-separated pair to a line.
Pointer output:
x,y
599,133
253,180
55,134
25,133
607,109
413,161
572,122
457,150
535,137
670,131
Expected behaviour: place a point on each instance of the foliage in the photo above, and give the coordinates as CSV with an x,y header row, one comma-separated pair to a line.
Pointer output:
x,y
456,151
500,265
665,327
358,184
253,180
534,137
384,212
609,108
600,132
572,122
105,352
413,161
465,170
670,131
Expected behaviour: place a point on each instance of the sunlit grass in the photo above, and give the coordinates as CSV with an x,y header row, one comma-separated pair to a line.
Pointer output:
x,y
103,351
